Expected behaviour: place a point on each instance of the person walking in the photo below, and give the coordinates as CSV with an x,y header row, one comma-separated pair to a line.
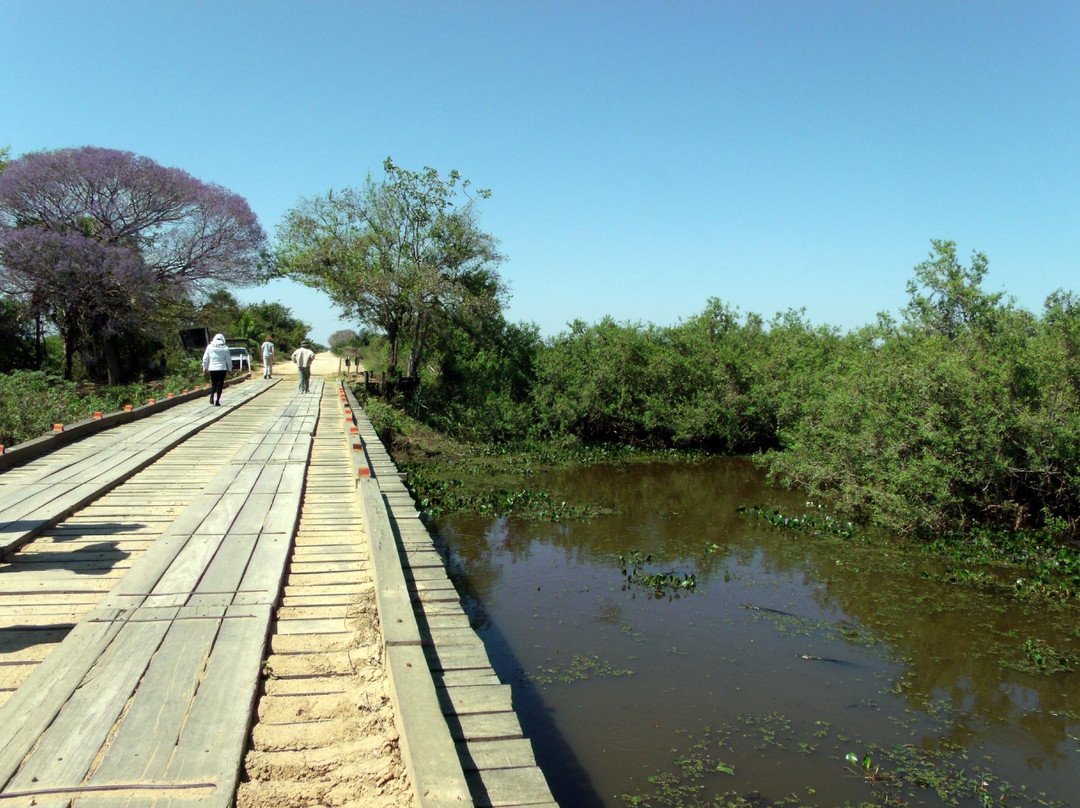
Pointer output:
x,y
216,361
302,356
268,358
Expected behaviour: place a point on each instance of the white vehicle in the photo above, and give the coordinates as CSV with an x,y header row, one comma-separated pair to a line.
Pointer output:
x,y
240,358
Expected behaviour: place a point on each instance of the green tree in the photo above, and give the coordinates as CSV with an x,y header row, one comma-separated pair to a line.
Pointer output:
x,y
401,255
342,341
967,416
947,297
482,386
278,321
19,347
219,312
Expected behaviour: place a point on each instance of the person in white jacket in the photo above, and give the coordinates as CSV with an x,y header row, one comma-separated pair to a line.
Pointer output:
x,y
216,360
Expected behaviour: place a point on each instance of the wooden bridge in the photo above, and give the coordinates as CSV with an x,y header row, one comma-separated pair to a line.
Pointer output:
x,y
152,564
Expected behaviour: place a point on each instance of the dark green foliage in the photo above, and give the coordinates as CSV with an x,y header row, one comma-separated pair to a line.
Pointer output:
x,y
484,382
967,415
31,401
717,382
18,345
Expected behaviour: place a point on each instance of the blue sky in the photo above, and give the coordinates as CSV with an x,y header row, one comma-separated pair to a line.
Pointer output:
x,y
643,156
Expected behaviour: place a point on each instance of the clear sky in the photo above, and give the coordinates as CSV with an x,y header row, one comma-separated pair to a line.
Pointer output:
x,y
643,156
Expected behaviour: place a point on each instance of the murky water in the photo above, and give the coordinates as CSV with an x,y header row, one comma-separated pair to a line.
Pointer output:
x,y
790,655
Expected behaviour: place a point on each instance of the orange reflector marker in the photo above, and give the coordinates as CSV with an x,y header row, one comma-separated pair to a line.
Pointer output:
x,y
184,391
363,471
57,427
353,430
97,415
1,448
152,401
168,395
127,408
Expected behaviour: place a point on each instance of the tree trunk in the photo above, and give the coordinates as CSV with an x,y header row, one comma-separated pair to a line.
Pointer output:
x,y
112,360
416,350
69,353
392,338
39,341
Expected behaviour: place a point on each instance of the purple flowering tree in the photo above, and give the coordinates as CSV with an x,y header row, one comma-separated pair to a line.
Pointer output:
x,y
98,240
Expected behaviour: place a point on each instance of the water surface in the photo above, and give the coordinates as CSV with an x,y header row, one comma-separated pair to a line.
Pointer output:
x,y
791,653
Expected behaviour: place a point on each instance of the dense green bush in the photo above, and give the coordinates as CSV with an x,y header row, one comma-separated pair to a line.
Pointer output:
x,y
718,382
965,413
31,401
484,382
968,414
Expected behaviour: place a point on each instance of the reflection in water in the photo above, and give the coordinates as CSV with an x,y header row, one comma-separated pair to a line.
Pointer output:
x,y
793,652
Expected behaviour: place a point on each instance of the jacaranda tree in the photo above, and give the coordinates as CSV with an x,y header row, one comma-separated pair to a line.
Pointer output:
x,y
98,241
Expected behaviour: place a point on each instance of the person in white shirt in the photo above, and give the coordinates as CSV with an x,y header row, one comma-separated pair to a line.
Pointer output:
x,y
302,356
268,358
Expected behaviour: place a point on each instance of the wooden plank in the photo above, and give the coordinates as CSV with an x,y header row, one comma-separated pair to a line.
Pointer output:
x,y
266,570
225,479
284,514
64,752
147,735
511,787
472,656
443,621
510,754
424,558
292,479
467,678
190,564
222,516
194,515
486,727
211,744
452,636
269,480
145,573
426,743
475,699
426,574
253,514
226,568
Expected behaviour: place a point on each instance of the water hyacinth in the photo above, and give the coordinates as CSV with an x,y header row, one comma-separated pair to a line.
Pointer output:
x,y
807,523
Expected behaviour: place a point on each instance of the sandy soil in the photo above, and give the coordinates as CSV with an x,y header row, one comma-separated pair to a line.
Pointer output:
x,y
325,364
325,735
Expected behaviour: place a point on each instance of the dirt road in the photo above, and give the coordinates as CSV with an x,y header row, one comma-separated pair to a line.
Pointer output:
x,y
324,364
